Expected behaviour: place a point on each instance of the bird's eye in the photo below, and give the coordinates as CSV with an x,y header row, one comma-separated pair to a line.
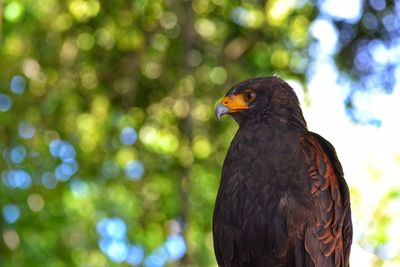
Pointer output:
x,y
249,96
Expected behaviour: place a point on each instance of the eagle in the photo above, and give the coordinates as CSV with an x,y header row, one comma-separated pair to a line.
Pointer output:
x,y
282,199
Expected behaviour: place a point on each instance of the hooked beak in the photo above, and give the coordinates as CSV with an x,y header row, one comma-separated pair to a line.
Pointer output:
x,y
221,110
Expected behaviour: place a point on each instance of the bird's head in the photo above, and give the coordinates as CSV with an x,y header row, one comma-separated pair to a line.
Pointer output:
x,y
266,98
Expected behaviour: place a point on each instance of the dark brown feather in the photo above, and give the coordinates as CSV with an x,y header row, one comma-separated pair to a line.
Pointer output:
x,y
282,200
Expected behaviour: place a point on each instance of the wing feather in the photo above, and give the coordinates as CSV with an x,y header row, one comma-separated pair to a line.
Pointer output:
x,y
328,240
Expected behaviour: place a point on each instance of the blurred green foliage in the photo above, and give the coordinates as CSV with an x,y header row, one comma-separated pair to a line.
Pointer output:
x,y
83,71
94,67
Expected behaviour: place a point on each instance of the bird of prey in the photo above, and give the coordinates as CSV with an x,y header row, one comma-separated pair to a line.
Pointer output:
x,y
282,199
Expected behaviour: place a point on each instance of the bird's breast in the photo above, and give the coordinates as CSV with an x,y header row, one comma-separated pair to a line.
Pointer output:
x,y
264,177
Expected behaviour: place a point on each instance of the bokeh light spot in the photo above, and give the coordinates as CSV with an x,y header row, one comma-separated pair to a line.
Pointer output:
x,y
35,202
113,240
185,156
176,247
370,22
181,108
201,112
278,10
390,23
48,180
134,169
280,58
79,188
13,11
85,41
31,69
201,147
114,228
89,78
11,239
18,84
62,149
187,85
18,154
157,258
135,255
194,58
200,6
152,70
124,155
63,22
218,75
66,169
168,20
105,38
26,130
378,5
116,250
17,178
128,136
248,18
5,103
11,213
206,28
69,51
82,10
160,42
